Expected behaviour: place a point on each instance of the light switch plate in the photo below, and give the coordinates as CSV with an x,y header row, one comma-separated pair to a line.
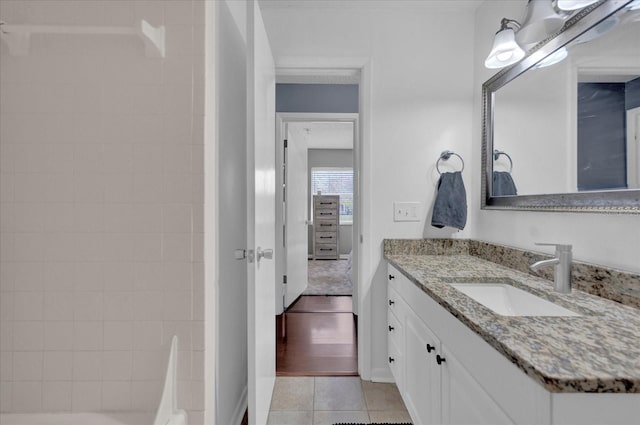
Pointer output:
x,y
406,211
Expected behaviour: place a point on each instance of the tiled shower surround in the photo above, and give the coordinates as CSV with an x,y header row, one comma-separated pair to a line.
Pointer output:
x,y
101,209
612,284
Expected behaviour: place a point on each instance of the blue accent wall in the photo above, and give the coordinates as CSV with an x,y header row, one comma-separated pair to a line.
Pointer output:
x,y
322,98
602,160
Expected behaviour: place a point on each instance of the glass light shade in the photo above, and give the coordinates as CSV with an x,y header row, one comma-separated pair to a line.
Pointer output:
x,y
574,4
555,57
635,5
541,21
505,50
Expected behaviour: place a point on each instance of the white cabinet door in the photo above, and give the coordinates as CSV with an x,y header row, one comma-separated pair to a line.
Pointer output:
x,y
422,377
464,401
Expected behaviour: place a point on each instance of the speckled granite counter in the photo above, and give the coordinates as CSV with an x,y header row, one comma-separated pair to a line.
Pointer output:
x,y
596,352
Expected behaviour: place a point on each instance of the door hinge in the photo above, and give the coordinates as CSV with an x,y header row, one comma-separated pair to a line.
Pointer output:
x,y
286,143
284,279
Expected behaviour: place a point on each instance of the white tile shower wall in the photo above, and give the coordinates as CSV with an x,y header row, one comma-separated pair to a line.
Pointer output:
x,y
101,209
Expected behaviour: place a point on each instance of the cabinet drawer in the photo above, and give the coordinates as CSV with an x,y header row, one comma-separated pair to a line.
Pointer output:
x,y
326,237
325,214
322,226
328,250
395,331
396,364
326,202
396,304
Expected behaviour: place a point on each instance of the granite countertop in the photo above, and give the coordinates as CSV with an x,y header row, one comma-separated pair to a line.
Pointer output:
x,y
598,351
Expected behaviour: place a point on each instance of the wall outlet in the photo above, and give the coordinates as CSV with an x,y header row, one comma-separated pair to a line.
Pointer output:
x,y
406,211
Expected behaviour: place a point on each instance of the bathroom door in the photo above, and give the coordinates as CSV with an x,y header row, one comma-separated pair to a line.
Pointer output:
x,y
296,201
260,216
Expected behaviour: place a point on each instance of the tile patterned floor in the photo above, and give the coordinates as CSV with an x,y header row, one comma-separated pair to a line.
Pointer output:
x,y
329,400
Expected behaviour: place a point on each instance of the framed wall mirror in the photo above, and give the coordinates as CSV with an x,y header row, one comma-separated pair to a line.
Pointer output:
x,y
561,128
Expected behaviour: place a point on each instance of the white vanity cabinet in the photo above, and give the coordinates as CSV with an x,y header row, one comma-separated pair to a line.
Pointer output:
x,y
451,376
473,383
422,387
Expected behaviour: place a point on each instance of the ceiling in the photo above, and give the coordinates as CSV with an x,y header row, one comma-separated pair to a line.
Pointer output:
x,y
323,135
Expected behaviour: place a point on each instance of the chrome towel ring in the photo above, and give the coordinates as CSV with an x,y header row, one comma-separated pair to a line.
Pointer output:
x,y
445,155
496,155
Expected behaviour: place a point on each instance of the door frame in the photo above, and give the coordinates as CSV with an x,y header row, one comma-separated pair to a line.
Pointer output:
x,y
282,120
305,69
633,147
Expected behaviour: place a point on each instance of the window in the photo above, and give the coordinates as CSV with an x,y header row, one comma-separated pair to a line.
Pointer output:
x,y
335,181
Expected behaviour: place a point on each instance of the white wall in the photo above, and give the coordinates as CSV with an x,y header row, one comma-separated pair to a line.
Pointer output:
x,y
611,240
532,121
421,104
101,210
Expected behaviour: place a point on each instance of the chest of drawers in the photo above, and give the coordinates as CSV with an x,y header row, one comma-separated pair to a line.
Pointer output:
x,y
325,227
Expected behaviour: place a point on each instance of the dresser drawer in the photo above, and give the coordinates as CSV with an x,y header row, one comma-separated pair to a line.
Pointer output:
x,y
326,202
326,214
326,237
322,226
326,250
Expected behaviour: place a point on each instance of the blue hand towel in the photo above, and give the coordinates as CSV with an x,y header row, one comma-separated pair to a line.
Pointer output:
x,y
450,207
503,184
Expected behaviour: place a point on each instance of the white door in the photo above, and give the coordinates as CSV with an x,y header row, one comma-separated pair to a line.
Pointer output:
x,y
260,216
296,198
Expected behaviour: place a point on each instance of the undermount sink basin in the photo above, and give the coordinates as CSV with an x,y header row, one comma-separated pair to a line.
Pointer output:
x,y
507,300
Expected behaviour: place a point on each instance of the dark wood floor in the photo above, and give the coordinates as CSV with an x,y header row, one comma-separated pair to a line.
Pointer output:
x,y
317,343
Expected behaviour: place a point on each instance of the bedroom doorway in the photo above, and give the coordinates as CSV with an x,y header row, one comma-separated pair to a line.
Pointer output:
x,y
316,324
317,158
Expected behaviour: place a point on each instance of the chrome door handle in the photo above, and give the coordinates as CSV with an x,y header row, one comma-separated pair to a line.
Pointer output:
x,y
266,253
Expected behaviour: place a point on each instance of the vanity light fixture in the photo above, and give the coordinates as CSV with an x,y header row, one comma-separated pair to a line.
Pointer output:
x,y
555,57
574,4
542,21
505,50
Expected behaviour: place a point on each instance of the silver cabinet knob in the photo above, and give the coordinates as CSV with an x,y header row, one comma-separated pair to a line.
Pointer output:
x,y
266,253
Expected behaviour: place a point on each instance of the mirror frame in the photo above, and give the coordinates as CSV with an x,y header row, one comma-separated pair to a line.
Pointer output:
x,y
621,201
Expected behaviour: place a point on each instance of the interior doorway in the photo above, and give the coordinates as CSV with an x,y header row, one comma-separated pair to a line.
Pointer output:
x,y
317,330
320,158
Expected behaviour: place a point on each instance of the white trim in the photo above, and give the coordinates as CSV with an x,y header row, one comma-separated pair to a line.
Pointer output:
x,y
363,258
282,119
633,148
211,274
365,252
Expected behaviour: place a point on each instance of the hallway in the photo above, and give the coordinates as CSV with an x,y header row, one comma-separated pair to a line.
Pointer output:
x,y
320,338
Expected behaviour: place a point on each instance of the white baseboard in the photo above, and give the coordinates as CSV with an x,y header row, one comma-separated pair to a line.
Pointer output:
x,y
382,375
241,407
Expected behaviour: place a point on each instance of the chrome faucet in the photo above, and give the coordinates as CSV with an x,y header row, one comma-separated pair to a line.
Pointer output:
x,y
562,264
